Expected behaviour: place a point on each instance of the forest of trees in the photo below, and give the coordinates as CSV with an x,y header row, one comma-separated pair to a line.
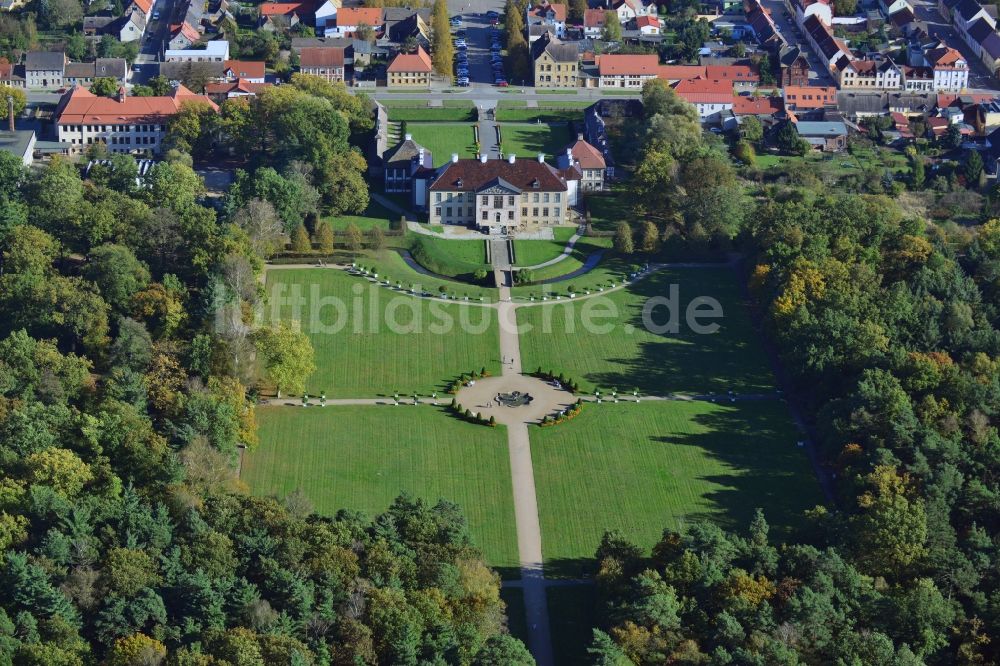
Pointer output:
x,y
127,375
887,327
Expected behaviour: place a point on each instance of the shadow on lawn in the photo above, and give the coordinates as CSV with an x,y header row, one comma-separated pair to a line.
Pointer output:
x,y
729,359
770,470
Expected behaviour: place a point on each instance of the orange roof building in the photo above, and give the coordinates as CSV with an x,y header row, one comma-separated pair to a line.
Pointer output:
x,y
410,70
799,98
271,9
349,18
125,124
244,69
626,71
756,106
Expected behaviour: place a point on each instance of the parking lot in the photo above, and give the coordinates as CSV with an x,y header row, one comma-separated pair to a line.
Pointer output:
x,y
477,45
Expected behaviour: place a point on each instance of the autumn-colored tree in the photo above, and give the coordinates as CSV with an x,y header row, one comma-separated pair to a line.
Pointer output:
x,y
286,357
323,237
300,239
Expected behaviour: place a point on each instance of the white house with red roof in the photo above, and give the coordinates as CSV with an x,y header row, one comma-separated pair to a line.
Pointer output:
x,y
348,19
588,160
550,15
593,22
951,70
647,25
124,124
626,71
251,71
709,96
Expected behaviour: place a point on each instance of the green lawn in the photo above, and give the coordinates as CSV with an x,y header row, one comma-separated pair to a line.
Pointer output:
x,y
443,139
361,458
424,113
527,140
540,114
450,257
374,216
621,352
642,468
572,617
391,265
607,210
361,350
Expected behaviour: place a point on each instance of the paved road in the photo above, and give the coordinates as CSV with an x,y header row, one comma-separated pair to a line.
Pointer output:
x,y
818,74
937,26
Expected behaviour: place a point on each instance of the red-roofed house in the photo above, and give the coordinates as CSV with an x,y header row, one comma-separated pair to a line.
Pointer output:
x,y
647,25
348,19
410,70
125,124
710,97
951,70
757,106
324,61
626,71
182,36
675,73
550,15
593,22
588,160
247,70
223,90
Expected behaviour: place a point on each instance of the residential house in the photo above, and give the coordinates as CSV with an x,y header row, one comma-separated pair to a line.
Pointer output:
x,y
809,98
44,69
130,27
348,20
646,25
11,75
593,22
182,36
794,66
283,14
144,7
676,73
823,135
803,9
588,160
744,76
917,79
629,9
890,7
763,26
325,15
951,71
327,62
552,16
626,71
214,51
84,73
247,70
402,23
410,70
499,195
869,74
828,48
94,26
555,65
123,123
762,107
402,163
219,91
710,97
19,143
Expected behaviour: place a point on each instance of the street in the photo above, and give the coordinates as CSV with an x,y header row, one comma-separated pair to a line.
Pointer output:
x,y
819,74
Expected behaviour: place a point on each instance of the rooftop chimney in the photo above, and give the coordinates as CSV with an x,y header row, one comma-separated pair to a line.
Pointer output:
x,y
121,93
511,158
10,113
569,154
482,158
409,137
579,137
454,158
541,158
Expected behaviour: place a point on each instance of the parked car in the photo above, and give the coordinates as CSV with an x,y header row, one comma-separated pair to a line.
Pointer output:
x,y
462,81
156,16
492,14
501,83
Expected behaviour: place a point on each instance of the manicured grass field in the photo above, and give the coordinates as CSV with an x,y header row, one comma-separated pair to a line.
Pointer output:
x,y
607,210
390,264
642,468
374,216
540,114
621,352
533,252
443,139
361,458
359,353
448,256
527,140
413,113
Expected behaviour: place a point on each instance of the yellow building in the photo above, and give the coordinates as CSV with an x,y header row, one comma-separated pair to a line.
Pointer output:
x,y
556,65
410,70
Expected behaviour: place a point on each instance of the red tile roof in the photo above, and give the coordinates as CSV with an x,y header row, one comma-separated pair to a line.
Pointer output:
x,y
706,91
588,156
353,16
240,85
732,72
244,69
558,10
680,72
756,106
321,56
143,5
612,65
284,8
471,175
411,62
594,18
186,29
79,106
643,21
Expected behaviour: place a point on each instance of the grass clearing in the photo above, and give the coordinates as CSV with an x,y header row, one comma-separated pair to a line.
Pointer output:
x,y
443,139
642,468
527,140
620,352
609,269
532,252
450,257
390,264
362,458
358,352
